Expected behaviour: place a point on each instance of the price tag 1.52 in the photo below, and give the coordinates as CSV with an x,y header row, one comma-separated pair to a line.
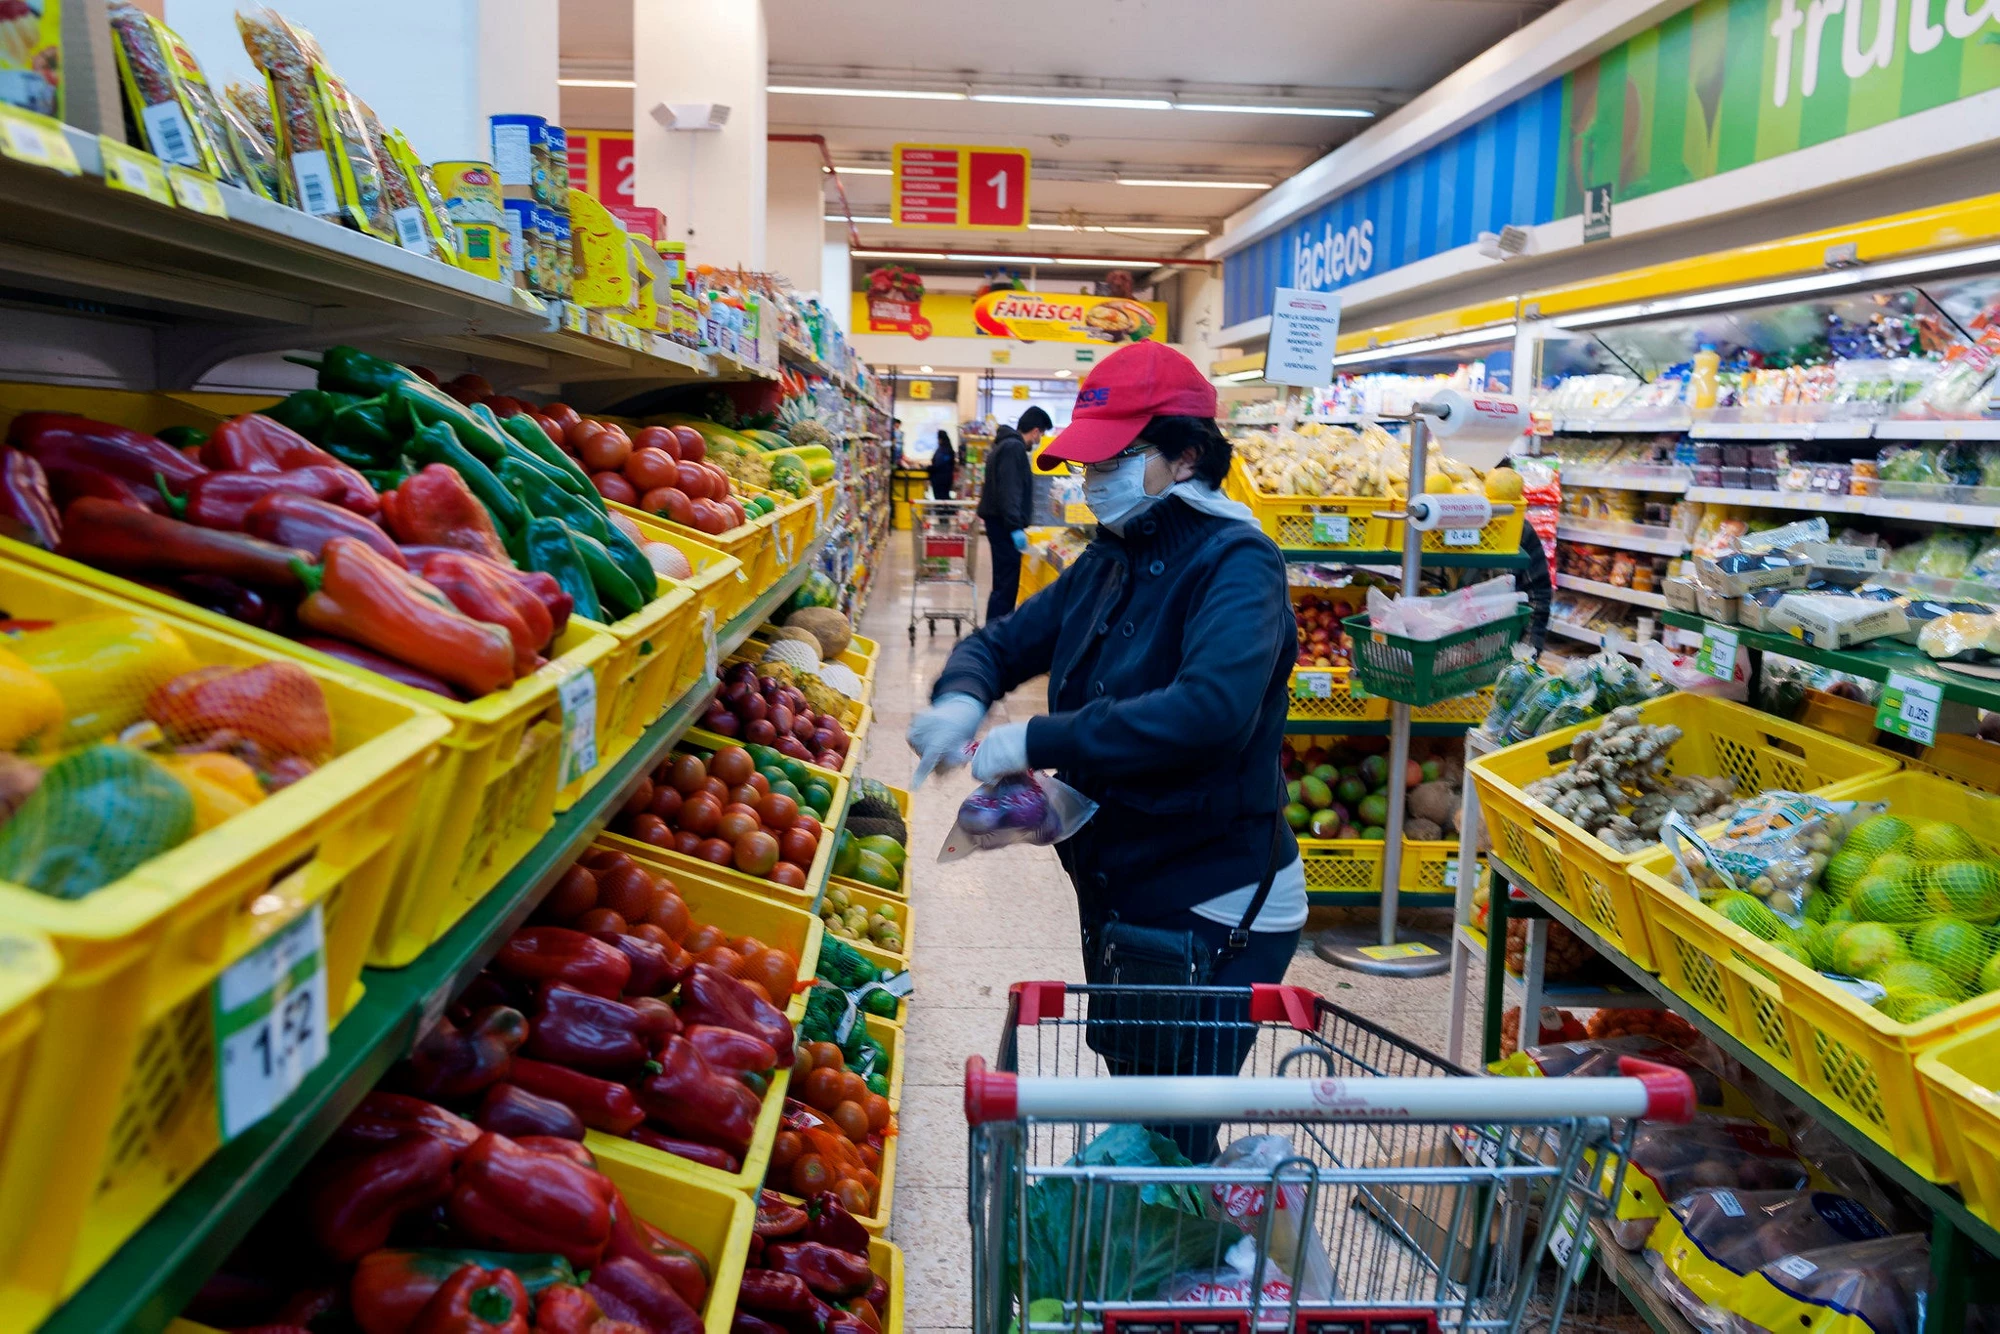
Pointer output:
x,y
270,1022
1717,655
578,696
1909,708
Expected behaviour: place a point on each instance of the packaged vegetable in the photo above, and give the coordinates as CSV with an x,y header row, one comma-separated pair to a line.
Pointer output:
x,y
1711,1239
179,116
103,666
98,813
1295,1251
1773,848
1865,1287
1670,1161
1020,808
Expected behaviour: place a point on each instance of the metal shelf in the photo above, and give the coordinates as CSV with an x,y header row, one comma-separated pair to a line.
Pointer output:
x,y
1571,630
1636,477
1598,588
1308,727
1393,560
1626,537
1943,1202
144,1286
1874,660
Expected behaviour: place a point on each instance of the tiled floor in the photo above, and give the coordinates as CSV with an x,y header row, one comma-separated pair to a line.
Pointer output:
x,y
987,921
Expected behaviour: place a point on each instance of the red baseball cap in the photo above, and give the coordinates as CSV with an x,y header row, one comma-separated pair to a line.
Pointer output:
x,y
1129,388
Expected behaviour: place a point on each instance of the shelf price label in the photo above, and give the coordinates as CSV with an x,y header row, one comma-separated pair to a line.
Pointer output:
x,y
135,172
1329,529
196,191
1462,537
1909,708
270,1022
1717,655
1314,685
711,659
578,696
36,140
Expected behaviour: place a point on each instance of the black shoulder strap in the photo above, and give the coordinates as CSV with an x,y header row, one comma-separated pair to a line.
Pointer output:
x,y
1239,938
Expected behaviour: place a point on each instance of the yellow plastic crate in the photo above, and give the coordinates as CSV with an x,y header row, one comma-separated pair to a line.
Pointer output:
x,y
1432,867
120,407
713,900
1315,523
902,892
1849,719
1471,708
117,1104
857,742
1325,695
747,1180
852,713
746,542
798,520
489,798
29,967
872,899
1342,864
637,678
1500,536
1718,737
1844,1051
721,580
891,1037
1961,1084
885,1259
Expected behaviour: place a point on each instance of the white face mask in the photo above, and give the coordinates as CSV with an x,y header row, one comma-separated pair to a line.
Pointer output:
x,y
1116,490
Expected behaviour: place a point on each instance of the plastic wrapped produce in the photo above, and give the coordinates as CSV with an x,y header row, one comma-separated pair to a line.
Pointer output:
x,y
1712,1238
1670,1161
1020,808
1773,849
1876,1287
1295,1248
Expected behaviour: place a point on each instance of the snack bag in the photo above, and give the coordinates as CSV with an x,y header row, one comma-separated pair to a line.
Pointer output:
x,y
360,171
31,56
331,170
1020,808
262,172
1295,1247
417,225
437,219
1711,1239
177,114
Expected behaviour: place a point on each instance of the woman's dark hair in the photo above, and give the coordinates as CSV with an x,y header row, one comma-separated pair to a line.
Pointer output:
x,y
944,437
1199,437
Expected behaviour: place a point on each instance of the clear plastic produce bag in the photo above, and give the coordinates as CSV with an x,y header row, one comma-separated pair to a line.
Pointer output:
x,y
1229,1284
1020,808
1295,1248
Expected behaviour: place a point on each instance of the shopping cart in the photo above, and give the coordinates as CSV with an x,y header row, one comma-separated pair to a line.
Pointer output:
x,y
946,548
1411,1198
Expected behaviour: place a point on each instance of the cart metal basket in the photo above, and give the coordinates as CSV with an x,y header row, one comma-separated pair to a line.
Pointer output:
x,y
945,543
1409,1197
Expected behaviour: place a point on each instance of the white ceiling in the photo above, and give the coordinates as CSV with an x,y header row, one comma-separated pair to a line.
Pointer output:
x,y
1375,53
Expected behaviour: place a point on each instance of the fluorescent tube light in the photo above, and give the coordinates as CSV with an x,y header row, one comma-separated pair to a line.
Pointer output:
x,y
925,370
859,218
905,94
1240,377
1193,184
864,171
1128,231
1348,113
1057,100
900,254
596,83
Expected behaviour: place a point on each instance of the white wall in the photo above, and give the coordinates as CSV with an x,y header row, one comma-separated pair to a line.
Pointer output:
x,y
710,184
836,284
794,232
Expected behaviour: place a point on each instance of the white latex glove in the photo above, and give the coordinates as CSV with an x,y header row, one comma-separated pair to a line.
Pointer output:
x,y
1003,751
940,734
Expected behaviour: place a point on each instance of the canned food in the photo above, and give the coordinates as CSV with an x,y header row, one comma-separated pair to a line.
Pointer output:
x,y
514,142
524,231
471,191
557,139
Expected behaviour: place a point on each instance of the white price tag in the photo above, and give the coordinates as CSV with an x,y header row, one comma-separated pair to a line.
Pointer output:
x,y
1796,1266
270,1022
1461,537
1315,685
410,229
1909,708
1329,528
711,658
578,696
1451,872
312,175
1717,655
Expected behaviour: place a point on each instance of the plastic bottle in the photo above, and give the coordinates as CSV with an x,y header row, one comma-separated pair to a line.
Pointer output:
x,y
1702,384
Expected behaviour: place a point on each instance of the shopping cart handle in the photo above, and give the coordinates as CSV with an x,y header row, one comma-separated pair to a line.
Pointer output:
x,y
989,1095
1669,1092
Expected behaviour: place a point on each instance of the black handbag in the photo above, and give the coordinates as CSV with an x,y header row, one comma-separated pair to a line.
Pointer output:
x,y
1149,1021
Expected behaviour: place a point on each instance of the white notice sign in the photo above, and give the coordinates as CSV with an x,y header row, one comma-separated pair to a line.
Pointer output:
x,y
1303,326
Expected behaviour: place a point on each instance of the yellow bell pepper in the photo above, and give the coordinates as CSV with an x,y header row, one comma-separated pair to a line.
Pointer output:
x,y
103,667
220,784
31,711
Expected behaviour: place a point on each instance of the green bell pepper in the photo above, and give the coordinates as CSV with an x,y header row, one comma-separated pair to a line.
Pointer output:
x,y
97,815
180,437
362,428
349,370
521,427
616,593
426,405
546,546
309,411
435,443
530,480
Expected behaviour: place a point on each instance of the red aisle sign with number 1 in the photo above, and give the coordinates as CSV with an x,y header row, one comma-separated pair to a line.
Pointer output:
x,y
960,186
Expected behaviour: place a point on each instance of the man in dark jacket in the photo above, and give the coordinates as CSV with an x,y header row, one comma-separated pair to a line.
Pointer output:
x,y
1005,501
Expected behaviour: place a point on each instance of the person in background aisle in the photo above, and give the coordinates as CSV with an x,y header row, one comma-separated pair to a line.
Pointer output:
x,y
1534,581
944,468
1005,501
1168,646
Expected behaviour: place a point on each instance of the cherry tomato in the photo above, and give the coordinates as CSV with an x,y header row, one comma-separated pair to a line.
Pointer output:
x,y
604,451
670,914
756,853
798,847
627,891
854,1197
877,1108
689,773
704,938
788,875
701,814
574,895
613,486
789,1144
732,764
734,825
851,1119
601,919
652,829
822,1087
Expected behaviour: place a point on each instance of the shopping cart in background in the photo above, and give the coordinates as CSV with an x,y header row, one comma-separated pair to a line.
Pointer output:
x,y
1410,1198
946,547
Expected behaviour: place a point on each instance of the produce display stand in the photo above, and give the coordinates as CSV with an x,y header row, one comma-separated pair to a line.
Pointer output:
x,y
148,1281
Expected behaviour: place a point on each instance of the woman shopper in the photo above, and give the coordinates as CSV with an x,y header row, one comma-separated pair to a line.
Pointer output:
x,y
1168,646
944,467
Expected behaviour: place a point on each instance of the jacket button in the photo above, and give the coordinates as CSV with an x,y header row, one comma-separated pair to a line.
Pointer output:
x,y
1128,629
1104,627
1149,527
1099,687
1157,567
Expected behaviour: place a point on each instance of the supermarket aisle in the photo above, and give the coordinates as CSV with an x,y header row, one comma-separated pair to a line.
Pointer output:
x,y
980,924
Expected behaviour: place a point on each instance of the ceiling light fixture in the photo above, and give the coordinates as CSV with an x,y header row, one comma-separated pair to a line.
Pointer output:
x,y
926,370
1240,377
859,217
1186,183
864,171
1059,100
596,83
1347,113
905,94
1088,263
1116,227
1063,375
900,254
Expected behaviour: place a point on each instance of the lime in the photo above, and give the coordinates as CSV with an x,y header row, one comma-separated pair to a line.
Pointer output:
x,y
882,1003
879,1084
1865,946
817,794
795,770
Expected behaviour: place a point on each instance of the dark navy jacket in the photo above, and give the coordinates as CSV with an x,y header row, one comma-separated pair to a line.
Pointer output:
x,y
1169,656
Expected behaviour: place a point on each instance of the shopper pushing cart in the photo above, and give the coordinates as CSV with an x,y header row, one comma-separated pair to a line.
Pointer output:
x,y
947,557
1364,1185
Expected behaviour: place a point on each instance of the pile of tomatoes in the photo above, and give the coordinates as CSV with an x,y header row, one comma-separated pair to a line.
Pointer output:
x,y
834,1133
660,469
724,811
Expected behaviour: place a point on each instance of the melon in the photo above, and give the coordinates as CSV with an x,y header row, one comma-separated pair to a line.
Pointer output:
x,y
1878,834
826,625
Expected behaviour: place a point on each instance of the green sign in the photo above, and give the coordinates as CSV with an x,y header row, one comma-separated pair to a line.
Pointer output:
x,y
1909,708
1727,83
1717,655
1597,213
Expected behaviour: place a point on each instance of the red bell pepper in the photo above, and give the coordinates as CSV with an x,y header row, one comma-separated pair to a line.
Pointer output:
x,y
365,598
650,1299
742,1322
537,584
228,598
223,499
256,443
65,443
401,673
388,1118
477,588
278,705
510,1198
454,1062
656,969
71,482
353,1202
557,954
586,1032
294,520
434,507
688,1097
559,1146
566,1309
727,1049
708,1155
829,1222
124,540
602,1104
829,1272
776,1219
683,1267
390,1287
27,511
657,1019
475,1301
711,996
766,1292
508,1109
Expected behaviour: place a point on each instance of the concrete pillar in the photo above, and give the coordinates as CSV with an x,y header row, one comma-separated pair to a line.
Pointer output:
x,y
709,183
836,283
434,70
794,230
